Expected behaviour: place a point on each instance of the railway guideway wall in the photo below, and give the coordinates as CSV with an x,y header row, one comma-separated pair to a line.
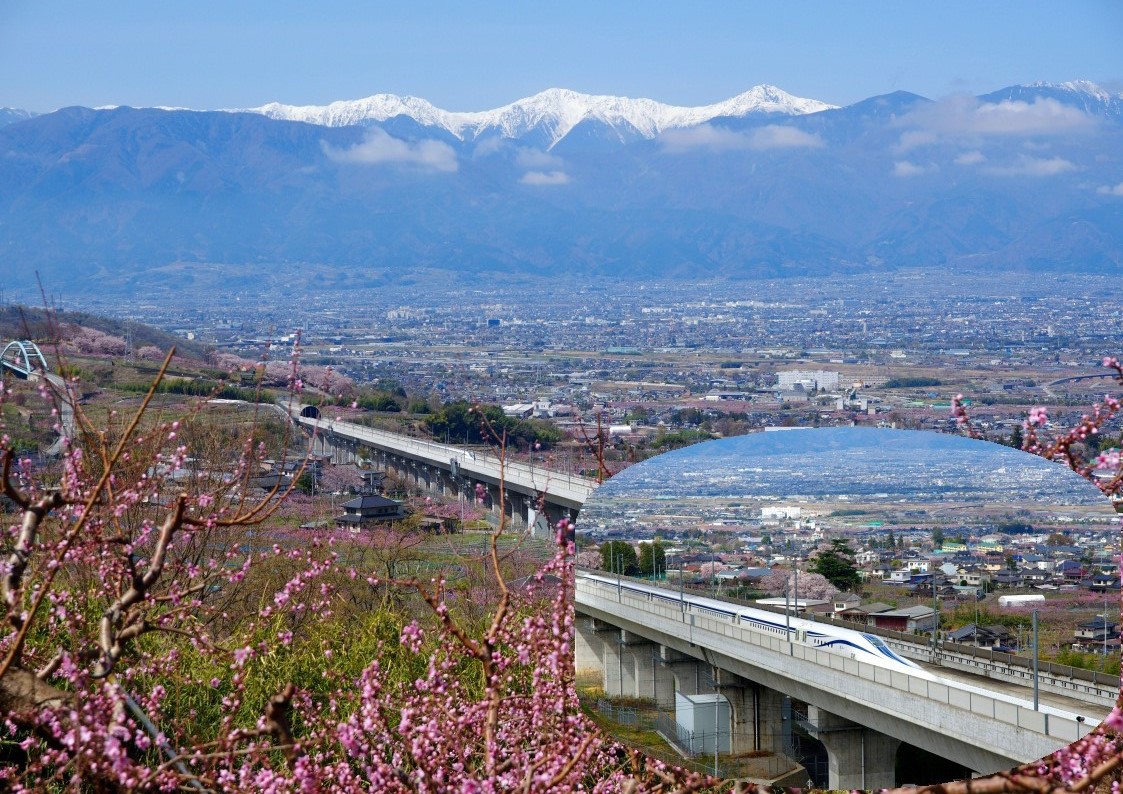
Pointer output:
x,y
1099,690
982,733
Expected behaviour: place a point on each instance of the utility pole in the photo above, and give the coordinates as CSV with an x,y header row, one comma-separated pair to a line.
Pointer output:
x,y
976,618
681,586
1103,662
1035,655
935,615
795,583
788,616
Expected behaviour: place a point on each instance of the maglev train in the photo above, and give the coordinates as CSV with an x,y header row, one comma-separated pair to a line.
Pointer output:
x,y
858,645
852,643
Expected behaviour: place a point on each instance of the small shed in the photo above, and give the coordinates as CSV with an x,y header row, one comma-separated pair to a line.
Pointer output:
x,y
702,720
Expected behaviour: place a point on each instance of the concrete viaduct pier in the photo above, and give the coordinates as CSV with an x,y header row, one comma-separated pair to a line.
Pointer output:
x,y
862,713
455,472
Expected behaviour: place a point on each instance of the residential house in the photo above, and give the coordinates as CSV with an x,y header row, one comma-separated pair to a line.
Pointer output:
x,y
995,637
370,509
860,614
1092,636
918,618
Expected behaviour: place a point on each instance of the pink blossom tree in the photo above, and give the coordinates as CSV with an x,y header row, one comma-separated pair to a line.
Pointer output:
x,y
130,599
806,585
589,559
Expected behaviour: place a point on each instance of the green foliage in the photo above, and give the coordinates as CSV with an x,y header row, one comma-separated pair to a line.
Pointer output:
x,y
1016,437
379,401
618,556
204,680
390,386
637,414
652,559
1089,661
910,383
964,614
202,387
461,422
374,400
683,438
837,565
938,537
687,416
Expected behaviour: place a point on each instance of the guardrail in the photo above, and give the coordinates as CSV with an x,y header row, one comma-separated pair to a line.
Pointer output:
x,y
703,629
534,479
1089,685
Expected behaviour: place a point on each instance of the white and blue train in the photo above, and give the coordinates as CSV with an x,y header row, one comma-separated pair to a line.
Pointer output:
x,y
852,643
849,642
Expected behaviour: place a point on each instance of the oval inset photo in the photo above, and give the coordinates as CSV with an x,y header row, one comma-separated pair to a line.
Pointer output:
x,y
848,608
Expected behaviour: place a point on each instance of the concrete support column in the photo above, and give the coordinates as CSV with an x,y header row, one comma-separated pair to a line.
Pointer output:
x,y
627,664
639,655
662,682
610,656
588,648
857,757
613,666
686,673
756,713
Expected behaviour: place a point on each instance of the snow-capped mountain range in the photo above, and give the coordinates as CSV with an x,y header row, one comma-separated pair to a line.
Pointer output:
x,y
1027,178
555,111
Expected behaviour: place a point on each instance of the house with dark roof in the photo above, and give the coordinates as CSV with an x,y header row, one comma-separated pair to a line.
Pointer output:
x,y
1104,581
370,509
1096,634
1008,579
996,636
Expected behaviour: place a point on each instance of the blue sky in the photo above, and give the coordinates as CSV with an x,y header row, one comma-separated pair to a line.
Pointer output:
x,y
473,56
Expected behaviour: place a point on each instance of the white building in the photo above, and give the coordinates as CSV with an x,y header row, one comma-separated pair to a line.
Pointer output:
x,y
810,379
774,513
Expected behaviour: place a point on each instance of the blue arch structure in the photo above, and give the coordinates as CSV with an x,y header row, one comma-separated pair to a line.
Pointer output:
x,y
27,357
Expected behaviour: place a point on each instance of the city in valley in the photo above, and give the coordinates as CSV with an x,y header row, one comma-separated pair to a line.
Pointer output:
x,y
594,397
624,371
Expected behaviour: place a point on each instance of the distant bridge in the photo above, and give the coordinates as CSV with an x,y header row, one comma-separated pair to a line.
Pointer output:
x,y
23,358
454,471
1048,387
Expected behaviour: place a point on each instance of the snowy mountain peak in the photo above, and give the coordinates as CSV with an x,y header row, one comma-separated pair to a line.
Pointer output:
x,y
12,115
555,111
1084,87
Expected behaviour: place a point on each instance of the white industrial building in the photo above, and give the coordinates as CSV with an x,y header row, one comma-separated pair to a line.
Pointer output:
x,y
810,379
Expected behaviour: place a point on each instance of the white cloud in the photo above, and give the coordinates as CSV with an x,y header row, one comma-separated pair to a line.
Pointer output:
x,y
537,160
777,136
381,148
718,139
545,178
910,139
973,157
905,168
488,147
1109,190
964,116
1034,166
